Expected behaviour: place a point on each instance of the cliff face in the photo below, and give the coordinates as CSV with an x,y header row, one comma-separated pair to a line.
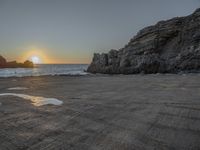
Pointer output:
x,y
168,47
14,64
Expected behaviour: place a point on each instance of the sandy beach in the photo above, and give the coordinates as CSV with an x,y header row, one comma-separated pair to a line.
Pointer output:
x,y
100,112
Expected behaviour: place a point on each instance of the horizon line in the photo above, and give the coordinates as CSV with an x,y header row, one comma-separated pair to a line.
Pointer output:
x,y
62,64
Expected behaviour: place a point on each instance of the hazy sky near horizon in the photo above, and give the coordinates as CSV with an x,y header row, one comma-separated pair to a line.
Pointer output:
x,y
70,31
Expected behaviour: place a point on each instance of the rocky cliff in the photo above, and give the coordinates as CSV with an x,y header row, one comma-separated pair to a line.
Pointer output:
x,y
169,46
14,64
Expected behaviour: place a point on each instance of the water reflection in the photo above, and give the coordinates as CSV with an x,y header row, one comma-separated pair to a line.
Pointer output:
x,y
18,88
36,100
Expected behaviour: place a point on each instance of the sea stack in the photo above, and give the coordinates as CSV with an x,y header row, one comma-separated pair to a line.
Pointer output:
x,y
2,61
15,64
170,46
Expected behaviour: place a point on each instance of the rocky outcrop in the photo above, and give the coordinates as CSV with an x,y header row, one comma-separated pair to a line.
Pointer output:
x,y
14,64
2,61
169,46
28,64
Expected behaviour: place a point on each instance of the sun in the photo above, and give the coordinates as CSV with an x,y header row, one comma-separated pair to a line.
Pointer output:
x,y
36,55
35,59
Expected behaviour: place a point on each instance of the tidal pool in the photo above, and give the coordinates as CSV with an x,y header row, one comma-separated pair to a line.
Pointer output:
x,y
18,88
36,100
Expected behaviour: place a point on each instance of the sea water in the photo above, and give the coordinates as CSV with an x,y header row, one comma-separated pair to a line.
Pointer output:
x,y
44,69
36,100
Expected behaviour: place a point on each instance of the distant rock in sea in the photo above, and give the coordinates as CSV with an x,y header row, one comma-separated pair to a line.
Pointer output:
x,y
170,46
14,64
2,61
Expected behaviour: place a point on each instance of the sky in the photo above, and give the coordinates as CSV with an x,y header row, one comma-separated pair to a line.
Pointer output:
x,y
70,31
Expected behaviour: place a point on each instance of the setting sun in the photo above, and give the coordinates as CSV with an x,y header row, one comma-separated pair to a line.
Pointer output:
x,y
35,59
36,55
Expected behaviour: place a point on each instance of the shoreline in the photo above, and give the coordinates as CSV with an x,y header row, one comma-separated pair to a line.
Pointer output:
x,y
104,75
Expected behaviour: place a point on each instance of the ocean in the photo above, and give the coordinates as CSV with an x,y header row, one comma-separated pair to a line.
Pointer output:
x,y
45,69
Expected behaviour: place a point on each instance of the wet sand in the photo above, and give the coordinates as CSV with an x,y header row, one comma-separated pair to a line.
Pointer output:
x,y
160,112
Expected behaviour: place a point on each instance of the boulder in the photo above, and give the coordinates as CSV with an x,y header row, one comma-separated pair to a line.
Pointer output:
x,y
169,46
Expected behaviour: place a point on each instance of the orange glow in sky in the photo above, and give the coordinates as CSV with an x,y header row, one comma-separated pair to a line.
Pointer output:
x,y
37,56
43,56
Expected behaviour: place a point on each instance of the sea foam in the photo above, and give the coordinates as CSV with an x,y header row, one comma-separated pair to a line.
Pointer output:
x,y
43,70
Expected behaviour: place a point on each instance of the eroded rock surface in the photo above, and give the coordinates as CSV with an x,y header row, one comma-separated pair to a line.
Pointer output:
x,y
169,46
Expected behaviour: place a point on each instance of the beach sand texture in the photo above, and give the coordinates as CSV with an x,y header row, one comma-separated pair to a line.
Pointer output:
x,y
101,112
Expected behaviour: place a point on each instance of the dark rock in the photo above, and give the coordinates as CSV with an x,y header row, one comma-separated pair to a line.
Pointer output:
x,y
169,46
2,61
12,64
15,64
28,64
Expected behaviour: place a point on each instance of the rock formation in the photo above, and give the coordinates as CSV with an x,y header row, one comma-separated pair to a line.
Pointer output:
x,y
2,61
28,63
169,46
14,64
